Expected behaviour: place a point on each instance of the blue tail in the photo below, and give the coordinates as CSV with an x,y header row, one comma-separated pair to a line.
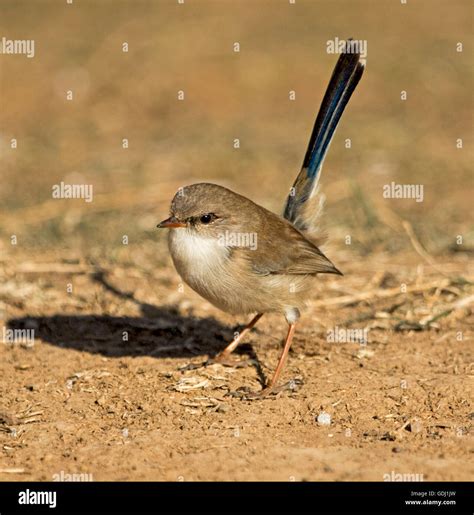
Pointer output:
x,y
344,79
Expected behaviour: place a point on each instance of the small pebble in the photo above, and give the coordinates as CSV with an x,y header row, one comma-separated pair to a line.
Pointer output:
x,y
222,408
324,419
101,401
416,426
32,387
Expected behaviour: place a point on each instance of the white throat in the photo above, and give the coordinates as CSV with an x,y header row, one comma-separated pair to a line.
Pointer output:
x,y
195,255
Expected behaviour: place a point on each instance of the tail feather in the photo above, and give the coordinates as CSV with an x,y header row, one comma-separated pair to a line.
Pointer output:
x,y
344,79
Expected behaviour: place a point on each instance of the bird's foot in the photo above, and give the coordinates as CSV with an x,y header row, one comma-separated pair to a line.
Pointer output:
x,y
267,392
245,393
222,359
262,394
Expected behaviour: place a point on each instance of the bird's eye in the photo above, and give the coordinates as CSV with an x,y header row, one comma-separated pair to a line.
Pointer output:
x,y
207,218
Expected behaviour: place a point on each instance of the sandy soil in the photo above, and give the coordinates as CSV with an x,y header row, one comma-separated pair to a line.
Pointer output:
x,y
80,400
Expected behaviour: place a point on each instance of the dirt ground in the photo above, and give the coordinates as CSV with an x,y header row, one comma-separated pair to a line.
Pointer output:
x,y
83,401
112,387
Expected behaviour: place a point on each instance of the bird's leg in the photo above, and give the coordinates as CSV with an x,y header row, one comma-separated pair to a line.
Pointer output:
x,y
281,363
223,356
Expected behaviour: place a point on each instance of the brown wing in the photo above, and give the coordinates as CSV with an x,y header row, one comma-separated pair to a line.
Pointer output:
x,y
282,249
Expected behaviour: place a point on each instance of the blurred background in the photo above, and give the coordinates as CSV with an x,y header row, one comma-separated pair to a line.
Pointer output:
x,y
189,47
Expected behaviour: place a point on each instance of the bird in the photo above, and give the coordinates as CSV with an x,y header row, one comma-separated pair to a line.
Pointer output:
x,y
245,259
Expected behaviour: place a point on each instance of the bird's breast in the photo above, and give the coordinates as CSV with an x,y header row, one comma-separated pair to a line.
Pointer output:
x,y
226,278
202,262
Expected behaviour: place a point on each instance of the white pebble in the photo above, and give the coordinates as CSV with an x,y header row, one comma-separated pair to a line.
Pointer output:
x,y
324,419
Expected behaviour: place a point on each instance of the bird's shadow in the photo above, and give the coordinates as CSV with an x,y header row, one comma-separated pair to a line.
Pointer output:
x,y
159,332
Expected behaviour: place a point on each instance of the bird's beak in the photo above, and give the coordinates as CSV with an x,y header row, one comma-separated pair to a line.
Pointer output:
x,y
171,223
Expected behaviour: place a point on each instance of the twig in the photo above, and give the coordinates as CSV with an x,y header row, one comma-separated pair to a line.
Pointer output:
x,y
379,294
418,247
